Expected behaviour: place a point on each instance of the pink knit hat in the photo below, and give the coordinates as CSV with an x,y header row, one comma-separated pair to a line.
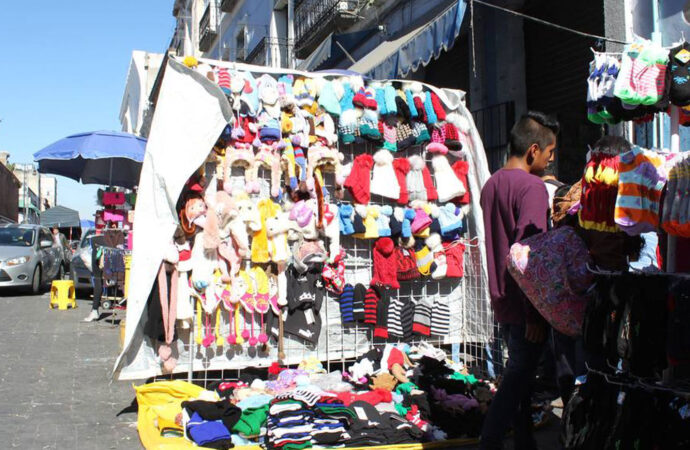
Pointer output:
x,y
421,220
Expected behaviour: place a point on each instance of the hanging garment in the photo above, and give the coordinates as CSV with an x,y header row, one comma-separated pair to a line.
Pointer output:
x,y
679,70
642,79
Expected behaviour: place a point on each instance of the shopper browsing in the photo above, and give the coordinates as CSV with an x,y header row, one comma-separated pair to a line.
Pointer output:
x,y
515,206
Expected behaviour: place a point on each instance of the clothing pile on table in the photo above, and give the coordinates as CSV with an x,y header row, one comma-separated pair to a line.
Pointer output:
x,y
395,395
250,253
645,80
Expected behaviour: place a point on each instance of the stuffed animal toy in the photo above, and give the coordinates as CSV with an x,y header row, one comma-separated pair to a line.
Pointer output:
x,y
277,228
321,158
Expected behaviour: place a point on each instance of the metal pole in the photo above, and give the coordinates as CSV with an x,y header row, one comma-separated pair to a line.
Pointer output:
x,y
291,33
657,124
24,192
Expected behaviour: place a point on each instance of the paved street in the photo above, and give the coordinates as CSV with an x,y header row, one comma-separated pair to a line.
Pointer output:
x,y
55,385
55,381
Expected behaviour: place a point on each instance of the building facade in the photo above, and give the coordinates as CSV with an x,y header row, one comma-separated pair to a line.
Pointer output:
x,y
143,68
251,31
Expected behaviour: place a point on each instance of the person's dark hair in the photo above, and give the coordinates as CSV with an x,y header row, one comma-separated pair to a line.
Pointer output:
x,y
612,145
533,128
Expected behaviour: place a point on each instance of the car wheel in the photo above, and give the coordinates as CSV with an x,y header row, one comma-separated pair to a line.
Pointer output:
x,y
36,281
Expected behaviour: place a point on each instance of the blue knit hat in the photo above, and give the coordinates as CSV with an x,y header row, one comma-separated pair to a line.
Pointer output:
x,y
346,304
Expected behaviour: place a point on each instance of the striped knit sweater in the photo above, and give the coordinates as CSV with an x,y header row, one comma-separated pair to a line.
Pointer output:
x,y
640,184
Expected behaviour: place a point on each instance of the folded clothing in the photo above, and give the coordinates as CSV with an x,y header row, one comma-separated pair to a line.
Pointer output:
x,y
209,433
222,410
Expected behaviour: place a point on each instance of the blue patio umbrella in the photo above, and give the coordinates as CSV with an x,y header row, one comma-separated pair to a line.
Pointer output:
x,y
100,157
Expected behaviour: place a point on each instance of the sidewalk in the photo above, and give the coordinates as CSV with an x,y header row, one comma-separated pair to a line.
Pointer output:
x,y
55,379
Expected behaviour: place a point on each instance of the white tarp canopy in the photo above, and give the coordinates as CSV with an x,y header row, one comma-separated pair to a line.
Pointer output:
x,y
190,115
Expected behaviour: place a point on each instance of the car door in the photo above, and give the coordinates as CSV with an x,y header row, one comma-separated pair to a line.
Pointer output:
x,y
49,255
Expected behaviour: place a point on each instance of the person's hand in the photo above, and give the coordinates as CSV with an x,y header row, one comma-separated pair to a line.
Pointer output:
x,y
535,332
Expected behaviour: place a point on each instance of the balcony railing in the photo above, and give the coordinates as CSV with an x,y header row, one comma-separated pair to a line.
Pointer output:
x,y
315,19
271,52
207,28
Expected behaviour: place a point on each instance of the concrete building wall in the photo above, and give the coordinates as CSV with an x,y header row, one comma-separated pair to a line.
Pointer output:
x,y
143,68
10,195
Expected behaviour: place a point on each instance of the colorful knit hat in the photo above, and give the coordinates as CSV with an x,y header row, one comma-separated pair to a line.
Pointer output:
x,y
599,192
385,264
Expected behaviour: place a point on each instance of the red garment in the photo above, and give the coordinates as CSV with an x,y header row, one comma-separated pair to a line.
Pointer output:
x,y
380,331
395,357
359,180
438,106
371,300
402,167
461,169
455,252
431,194
372,397
385,264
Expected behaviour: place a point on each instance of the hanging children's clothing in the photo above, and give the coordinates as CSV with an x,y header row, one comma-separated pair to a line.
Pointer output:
x,y
679,70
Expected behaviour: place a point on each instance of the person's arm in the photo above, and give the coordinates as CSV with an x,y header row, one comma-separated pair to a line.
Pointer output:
x,y
532,219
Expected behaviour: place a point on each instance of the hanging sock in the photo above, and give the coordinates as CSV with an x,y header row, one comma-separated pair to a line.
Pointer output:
x,y
219,336
209,338
232,336
199,312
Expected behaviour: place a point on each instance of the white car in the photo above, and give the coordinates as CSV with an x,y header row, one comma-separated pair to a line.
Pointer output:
x,y
29,257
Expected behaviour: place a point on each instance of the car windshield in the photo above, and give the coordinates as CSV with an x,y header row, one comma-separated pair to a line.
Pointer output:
x,y
17,237
86,239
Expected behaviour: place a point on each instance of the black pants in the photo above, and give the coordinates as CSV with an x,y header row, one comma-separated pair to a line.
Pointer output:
x,y
97,279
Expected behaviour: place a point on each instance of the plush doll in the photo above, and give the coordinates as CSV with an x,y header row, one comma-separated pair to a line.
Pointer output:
x,y
321,157
277,228
332,230
185,310
193,214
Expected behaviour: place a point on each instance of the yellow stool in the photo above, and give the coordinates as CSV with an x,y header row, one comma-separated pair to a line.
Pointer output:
x,y
62,294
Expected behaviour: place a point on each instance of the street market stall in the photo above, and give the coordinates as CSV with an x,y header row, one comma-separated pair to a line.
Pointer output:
x,y
308,219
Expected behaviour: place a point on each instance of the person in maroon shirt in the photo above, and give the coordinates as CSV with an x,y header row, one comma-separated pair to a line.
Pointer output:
x,y
515,205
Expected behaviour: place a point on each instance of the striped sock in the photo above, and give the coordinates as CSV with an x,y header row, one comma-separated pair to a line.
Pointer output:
x,y
440,318
346,299
394,318
371,300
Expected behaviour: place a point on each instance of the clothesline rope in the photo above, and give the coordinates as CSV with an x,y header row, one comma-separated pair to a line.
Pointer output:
x,y
544,22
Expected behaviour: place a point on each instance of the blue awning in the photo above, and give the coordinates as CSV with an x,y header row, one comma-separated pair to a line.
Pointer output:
x,y
396,58
330,51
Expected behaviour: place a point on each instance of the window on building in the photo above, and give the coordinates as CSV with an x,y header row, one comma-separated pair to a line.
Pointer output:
x,y
241,45
686,11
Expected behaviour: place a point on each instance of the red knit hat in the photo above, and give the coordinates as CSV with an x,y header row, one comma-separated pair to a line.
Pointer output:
x,y
419,106
359,179
431,194
402,166
461,169
454,258
385,264
438,107
452,136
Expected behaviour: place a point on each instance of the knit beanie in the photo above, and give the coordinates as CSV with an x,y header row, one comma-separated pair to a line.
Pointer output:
x,y
346,304
380,97
390,136
328,99
370,94
370,222
455,252
345,217
440,317
385,264
421,109
382,307
371,299
369,125
462,169
348,94
384,180
403,110
402,167
249,98
424,259
407,319
409,216
409,100
422,317
389,98
450,131
431,193
384,220
599,192
357,183
448,220
421,221
359,294
437,105
414,179
407,264
396,221
420,132
448,185
431,117
347,126
358,221
404,136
